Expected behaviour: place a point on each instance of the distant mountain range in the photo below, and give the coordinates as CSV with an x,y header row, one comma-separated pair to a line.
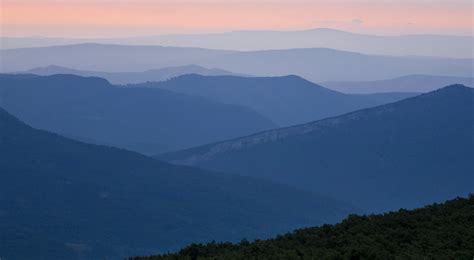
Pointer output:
x,y
63,199
131,77
422,233
410,83
287,100
403,45
405,154
146,120
317,64
101,57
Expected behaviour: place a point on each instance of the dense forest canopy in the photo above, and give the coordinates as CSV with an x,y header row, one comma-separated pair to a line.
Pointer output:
x,y
438,231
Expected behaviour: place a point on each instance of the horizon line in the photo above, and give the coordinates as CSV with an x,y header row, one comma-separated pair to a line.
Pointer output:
x,y
242,31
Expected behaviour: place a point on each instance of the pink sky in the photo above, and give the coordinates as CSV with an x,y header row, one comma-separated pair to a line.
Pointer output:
x,y
117,18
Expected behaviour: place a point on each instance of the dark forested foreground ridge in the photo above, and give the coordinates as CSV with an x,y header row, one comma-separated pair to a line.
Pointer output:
x,y
439,231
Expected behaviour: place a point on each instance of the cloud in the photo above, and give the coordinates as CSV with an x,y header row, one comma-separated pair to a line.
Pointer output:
x,y
357,21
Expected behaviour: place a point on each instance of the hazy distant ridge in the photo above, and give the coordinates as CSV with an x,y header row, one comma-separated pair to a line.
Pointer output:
x,y
410,83
286,100
132,77
316,64
425,45
141,119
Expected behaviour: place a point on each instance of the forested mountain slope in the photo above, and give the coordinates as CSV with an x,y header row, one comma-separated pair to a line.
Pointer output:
x,y
404,154
439,231
63,199
286,100
146,120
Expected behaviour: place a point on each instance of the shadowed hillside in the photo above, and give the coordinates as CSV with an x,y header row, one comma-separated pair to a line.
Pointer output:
x,y
62,199
287,100
405,154
146,120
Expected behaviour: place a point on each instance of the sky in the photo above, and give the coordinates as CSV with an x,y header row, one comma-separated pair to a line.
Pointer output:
x,y
124,18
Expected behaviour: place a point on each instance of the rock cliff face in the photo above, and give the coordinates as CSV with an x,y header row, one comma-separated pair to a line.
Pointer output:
x,y
212,151
404,154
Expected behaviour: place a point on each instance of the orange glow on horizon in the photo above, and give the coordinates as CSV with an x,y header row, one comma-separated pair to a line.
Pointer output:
x,y
86,18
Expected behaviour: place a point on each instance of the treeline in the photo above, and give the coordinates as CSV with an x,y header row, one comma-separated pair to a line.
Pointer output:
x,y
438,231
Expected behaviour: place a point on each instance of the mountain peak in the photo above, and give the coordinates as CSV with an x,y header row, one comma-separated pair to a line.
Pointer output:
x,y
291,77
454,91
456,87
